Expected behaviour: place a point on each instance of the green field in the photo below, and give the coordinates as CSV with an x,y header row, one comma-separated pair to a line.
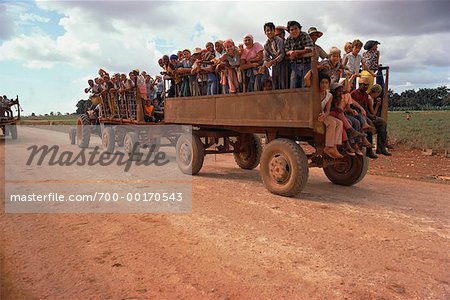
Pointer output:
x,y
425,129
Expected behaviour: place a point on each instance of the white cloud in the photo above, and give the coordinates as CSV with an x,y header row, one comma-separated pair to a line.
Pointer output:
x,y
7,26
36,51
120,35
29,17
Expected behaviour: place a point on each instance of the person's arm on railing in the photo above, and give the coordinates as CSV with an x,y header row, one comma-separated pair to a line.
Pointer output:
x,y
307,79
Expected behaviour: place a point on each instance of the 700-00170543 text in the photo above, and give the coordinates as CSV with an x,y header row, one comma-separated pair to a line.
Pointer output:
x,y
98,196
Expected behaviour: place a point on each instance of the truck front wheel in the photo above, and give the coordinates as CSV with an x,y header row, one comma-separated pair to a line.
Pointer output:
x,y
284,167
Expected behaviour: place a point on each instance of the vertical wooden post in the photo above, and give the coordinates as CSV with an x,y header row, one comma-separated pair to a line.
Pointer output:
x,y
385,104
319,130
139,106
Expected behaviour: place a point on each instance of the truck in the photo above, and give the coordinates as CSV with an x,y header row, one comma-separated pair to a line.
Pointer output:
x,y
286,120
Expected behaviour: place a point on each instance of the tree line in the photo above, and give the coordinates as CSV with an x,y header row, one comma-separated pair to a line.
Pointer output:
x,y
423,99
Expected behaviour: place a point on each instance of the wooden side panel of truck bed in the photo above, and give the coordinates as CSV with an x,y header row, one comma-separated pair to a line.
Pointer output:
x,y
282,108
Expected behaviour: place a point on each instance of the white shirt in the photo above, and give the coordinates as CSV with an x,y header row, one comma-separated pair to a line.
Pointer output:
x,y
325,101
353,63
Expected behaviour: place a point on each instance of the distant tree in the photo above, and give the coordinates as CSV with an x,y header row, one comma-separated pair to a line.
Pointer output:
x,y
446,100
52,113
67,114
422,99
33,114
441,94
59,113
394,99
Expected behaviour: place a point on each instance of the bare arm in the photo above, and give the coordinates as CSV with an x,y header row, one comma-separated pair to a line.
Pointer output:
x,y
258,58
247,65
307,79
223,58
377,105
359,107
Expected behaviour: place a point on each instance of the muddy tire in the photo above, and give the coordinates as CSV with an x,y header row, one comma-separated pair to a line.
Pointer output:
x,y
250,151
73,136
108,139
348,171
284,167
83,131
190,154
131,146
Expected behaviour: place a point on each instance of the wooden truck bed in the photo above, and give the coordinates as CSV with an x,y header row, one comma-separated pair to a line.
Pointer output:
x,y
292,108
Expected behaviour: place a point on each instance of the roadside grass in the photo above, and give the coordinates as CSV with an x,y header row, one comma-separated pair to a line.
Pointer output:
x,y
50,120
425,129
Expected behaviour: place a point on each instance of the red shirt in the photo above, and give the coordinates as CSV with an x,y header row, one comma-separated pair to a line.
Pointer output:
x,y
362,98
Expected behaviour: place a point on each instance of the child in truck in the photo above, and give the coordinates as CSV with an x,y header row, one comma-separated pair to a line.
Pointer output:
x,y
334,126
332,66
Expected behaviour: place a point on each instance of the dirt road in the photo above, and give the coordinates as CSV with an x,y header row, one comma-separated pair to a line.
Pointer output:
x,y
385,238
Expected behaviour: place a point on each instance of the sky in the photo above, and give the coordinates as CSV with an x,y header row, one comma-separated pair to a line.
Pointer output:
x,y
49,49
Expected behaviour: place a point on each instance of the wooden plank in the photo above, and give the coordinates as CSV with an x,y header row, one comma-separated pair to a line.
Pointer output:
x,y
285,108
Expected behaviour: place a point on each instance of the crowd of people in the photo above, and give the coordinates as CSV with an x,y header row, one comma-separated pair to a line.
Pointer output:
x,y
349,105
119,91
223,67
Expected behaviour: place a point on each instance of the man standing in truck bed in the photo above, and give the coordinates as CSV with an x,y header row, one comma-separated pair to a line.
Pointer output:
x,y
296,45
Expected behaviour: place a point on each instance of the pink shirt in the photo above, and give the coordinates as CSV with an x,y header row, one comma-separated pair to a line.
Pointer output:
x,y
248,54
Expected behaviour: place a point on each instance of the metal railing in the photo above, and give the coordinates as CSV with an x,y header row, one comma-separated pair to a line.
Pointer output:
x,y
122,106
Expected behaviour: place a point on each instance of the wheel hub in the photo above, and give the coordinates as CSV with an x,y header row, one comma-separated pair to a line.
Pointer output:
x,y
185,153
279,168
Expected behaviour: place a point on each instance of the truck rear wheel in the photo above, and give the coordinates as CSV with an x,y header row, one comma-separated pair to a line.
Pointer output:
x,y
250,150
83,131
131,146
284,167
348,171
190,153
108,139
